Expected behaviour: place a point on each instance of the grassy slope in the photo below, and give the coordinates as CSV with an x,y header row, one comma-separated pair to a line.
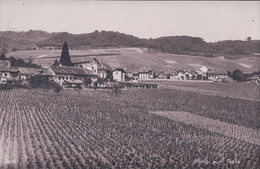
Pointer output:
x,y
134,59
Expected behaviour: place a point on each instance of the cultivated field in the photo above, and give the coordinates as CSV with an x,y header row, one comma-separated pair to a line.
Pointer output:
x,y
91,129
134,58
232,90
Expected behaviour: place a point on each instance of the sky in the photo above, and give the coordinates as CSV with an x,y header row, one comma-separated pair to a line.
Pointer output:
x,y
212,21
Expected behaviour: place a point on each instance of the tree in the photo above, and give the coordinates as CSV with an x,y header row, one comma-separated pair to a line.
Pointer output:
x,y
31,60
56,63
2,56
65,56
238,75
248,38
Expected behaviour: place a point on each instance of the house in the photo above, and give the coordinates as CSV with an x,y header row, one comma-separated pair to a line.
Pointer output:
x,y
129,73
65,75
181,75
118,74
203,69
35,48
8,74
254,79
167,68
95,66
202,72
135,75
27,73
216,74
145,74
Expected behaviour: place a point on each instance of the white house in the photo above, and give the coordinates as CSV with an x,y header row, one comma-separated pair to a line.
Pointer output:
x,y
202,71
118,74
145,74
8,74
217,74
185,74
95,66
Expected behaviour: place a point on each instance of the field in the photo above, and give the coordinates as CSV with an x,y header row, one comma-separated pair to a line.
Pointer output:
x,y
135,58
94,129
232,90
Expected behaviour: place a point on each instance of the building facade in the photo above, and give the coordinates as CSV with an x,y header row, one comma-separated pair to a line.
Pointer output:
x,y
70,75
118,74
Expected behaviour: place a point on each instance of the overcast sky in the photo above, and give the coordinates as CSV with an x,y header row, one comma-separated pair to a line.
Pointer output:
x,y
212,21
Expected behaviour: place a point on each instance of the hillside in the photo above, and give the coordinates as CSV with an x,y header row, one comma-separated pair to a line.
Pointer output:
x,y
172,44
134,58
93,40
10,40
105,39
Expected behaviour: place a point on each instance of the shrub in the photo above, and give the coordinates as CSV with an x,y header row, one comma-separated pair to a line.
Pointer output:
x,y
40,81
57,89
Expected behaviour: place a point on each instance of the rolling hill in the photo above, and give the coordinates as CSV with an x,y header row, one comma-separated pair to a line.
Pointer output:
x,y
105,39
134,58
10,40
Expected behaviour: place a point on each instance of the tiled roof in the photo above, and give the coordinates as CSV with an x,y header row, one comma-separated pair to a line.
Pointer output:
x,y
8,69
29,71
217,72
71,70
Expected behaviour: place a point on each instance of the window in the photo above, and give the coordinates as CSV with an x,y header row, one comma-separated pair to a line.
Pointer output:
x,y
5,74
59,77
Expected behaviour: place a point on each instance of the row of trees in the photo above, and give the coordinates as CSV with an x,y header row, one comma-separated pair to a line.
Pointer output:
x,y
171,44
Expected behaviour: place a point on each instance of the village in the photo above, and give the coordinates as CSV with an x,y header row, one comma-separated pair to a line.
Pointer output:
x,y
92,73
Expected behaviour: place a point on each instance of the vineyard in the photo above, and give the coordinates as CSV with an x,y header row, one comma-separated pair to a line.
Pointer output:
x,y
95,129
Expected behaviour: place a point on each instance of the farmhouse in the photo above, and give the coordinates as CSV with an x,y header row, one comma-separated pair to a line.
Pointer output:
x,y
202,72
186,74
145,74
95,66
27,73
217,74
8,74
61,74
118,74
